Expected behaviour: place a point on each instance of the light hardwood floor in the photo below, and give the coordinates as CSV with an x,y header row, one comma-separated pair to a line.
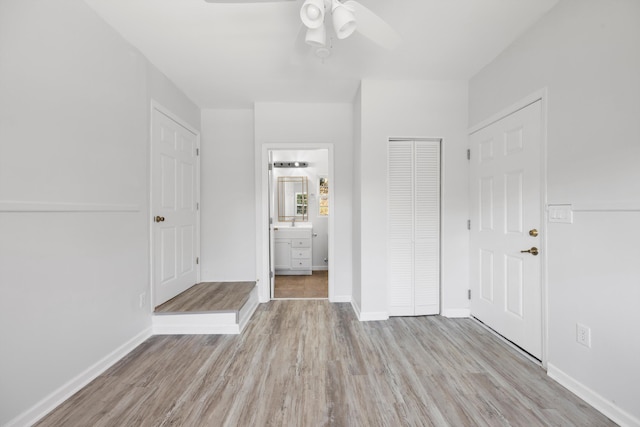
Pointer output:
x,y
312,363
208,297
314,286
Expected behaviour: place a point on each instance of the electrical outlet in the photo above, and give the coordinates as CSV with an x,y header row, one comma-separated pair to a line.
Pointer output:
x,y
143,299
583,335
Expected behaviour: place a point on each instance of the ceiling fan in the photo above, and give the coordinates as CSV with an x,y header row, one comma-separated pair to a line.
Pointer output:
x,y
347,17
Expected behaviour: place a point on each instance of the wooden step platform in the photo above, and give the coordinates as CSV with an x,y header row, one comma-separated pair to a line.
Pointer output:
x,y
207,308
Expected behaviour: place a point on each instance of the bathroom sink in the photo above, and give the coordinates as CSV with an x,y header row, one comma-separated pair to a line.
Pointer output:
x,y
300,231
298,225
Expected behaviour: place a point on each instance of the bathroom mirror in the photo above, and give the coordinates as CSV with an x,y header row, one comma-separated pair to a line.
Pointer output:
x,y
293,198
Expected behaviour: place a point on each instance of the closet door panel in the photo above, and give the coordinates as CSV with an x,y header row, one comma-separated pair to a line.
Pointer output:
x,y
400,197
400,228
427,278
427,227
401,278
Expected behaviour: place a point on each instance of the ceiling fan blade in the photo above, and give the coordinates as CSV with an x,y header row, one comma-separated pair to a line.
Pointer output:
x,y
244,1
373,27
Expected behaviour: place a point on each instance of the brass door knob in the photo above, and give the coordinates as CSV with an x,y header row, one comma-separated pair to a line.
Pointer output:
x,y
532,251
533,233
159,219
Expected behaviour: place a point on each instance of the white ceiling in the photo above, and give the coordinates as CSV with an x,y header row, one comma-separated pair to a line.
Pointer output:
x,y
232,55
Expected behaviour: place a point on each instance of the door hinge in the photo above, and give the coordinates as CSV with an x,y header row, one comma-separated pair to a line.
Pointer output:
x,y
271,274
270,166
197,151
468,154
197,260
270,221
468,224
197,206
469,294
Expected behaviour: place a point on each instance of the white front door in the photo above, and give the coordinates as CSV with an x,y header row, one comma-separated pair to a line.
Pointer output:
x,y
505,168
174,194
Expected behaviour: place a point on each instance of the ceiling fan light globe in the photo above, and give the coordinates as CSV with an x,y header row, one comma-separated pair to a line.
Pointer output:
x,y
316,36
344,21
312,13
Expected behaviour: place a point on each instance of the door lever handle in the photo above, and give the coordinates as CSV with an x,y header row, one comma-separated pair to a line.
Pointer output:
x,y
532,251
158,219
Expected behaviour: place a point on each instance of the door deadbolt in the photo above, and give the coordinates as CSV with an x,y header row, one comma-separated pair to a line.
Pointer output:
x,y
532,251
533,233
159,219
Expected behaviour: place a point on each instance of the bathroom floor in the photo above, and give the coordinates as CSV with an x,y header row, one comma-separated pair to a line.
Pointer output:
x,y
314,286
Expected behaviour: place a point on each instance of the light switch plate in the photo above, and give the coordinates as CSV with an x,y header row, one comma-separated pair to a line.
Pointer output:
x,y
560,213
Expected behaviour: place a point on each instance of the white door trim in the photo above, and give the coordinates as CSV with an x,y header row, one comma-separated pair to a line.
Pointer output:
x,y
542,96
155,105
262,213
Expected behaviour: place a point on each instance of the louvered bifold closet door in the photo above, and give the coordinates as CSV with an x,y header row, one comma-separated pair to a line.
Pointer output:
x,y
414,227
400,228
427,227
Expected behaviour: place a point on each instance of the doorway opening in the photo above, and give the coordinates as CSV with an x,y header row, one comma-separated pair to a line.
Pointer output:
x,y
299,199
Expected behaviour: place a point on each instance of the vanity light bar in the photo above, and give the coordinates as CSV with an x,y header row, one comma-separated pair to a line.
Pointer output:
x,y
290,164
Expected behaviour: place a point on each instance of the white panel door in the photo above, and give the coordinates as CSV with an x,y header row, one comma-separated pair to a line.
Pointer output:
x,y
414,227
173,197
506,202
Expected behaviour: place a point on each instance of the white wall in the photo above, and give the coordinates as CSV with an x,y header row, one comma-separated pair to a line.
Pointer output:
x,y
228,226
74,215
412,109
587,53
304,124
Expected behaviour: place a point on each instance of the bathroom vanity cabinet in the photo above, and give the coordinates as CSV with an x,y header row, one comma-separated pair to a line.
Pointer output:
x,y
293,251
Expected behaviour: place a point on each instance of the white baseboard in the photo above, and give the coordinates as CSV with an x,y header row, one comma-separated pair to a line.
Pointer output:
x,y
196,329
367,316
248,309
49,403
615,413
356,308
340,298
454,313
320,268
